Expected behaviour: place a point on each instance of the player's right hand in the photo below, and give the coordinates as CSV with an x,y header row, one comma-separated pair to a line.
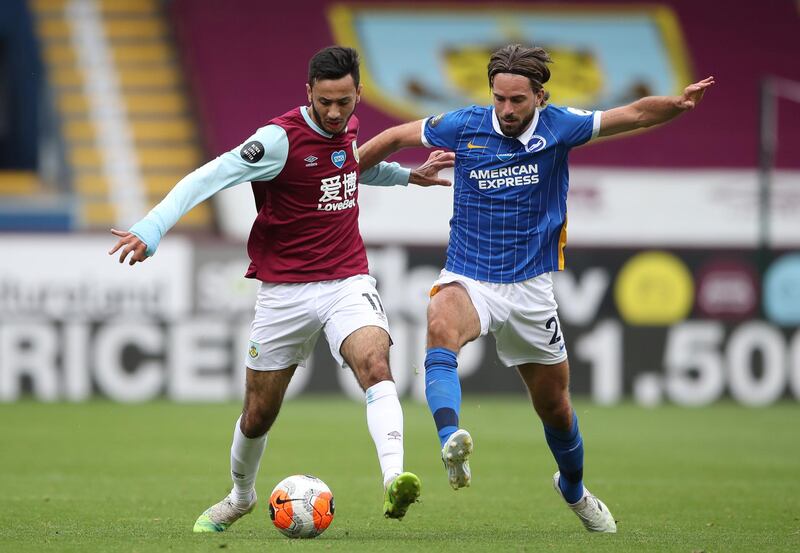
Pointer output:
x,y
129,243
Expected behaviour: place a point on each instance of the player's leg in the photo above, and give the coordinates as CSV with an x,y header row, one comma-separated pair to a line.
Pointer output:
x,y
548,386
264,392
452,322
366,351
281,337
358,335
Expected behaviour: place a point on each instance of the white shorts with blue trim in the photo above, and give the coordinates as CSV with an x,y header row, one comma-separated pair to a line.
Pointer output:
x,y
522,316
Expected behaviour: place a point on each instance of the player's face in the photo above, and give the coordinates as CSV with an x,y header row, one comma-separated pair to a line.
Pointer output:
x,y
515,102
333,102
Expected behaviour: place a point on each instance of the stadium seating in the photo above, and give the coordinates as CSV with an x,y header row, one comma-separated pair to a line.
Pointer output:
x,y
126,125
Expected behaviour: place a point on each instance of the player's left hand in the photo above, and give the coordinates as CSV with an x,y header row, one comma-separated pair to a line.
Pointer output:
x,y
693,93
427,174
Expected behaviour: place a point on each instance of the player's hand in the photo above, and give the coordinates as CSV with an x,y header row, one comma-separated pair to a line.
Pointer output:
x,y
693,93
128,243
427,174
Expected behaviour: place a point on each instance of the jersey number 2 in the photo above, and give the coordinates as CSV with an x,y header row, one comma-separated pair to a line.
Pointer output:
x,y
552,321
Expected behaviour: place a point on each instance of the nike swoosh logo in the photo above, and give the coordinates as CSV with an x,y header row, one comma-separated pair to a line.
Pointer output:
x,y
472,146
281,500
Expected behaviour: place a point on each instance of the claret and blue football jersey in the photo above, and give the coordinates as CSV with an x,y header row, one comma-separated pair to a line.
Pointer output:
x,y
510,194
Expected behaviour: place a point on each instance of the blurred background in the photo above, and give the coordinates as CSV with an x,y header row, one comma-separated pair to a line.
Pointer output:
x,y
683,272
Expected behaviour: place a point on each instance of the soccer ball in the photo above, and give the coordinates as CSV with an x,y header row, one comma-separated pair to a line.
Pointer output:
x,y
301,506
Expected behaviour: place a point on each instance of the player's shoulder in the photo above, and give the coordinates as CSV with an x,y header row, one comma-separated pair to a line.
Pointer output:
x,y
458,118
563,112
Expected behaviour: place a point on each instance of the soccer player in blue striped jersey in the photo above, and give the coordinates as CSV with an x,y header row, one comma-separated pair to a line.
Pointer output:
x,y
507,236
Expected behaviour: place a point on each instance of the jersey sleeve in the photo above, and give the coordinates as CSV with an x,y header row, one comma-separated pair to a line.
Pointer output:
x,y
577,126
443,130
261,157
386,174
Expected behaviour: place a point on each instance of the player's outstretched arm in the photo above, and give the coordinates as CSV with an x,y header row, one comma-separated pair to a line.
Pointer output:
x,y
128,243
389,141
652,110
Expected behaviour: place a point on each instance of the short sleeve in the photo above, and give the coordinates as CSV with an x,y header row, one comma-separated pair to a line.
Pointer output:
x,y
577,126
444,129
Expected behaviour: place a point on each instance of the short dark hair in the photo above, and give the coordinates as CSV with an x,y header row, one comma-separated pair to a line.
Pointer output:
x,y
333,62
522,60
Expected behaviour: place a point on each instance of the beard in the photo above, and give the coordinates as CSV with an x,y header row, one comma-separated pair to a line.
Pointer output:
x,y
516,128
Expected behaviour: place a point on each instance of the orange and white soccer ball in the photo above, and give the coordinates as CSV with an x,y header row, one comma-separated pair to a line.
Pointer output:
x,y
301,506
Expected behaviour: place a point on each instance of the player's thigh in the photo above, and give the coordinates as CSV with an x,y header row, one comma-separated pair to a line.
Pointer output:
x,y
263,397
284,329
530,337
453,319
366,351
353,309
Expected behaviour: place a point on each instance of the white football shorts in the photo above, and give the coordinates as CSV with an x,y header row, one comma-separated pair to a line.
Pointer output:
x,y
289,318
522,316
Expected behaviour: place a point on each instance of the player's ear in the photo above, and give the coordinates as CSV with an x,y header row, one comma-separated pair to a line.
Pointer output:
x,y
539,97
358,92
308,92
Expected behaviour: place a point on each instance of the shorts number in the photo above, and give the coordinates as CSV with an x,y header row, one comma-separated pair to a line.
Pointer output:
x,y
551,322
376,305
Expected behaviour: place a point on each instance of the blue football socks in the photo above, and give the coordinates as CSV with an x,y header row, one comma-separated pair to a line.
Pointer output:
x,y
567,448
443,390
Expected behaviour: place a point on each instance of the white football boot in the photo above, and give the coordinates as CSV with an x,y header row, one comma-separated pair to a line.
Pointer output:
x,y
455,455
220,516
593,513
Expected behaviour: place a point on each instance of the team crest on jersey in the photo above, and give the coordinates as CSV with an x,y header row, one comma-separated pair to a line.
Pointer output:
x,y
338,158
535,144
506,156
253,350
355,151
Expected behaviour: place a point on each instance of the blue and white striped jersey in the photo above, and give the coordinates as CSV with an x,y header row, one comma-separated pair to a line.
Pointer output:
x,y
510,194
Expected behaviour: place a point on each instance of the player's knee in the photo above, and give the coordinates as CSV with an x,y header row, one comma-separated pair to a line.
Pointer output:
x,y
441,333
376,370
555,412
257,422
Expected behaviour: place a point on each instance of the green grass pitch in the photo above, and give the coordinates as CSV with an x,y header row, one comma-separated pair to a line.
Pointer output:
x,y
109,477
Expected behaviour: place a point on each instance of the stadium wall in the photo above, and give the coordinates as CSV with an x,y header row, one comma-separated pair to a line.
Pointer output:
x,y
684,326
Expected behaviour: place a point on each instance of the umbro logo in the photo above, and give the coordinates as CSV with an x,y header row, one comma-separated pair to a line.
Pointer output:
x,y
472,146
311,161
394,435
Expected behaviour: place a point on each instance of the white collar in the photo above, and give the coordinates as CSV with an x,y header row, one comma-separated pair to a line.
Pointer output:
x,y
524,137
313,125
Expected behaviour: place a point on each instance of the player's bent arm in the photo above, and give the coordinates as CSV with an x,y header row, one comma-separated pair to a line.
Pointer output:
x,y
389,141
652,110
229,169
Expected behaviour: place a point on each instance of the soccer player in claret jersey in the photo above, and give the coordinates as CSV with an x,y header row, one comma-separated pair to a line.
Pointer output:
x,y
307,251
507,236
